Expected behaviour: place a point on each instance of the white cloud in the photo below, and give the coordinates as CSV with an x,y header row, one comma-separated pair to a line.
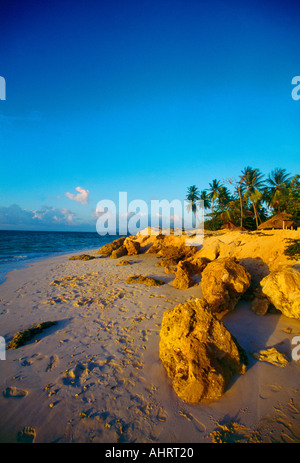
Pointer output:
x,y
46,215
44,218
80,197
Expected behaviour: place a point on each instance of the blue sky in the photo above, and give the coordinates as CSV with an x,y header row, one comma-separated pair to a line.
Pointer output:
x,y
139,96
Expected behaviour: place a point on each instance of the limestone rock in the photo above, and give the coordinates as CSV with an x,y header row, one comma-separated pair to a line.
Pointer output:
x,y
282,288
223,283
212,251
260,303
198,352
82,257
272,356
108,248
170,269
186,269
169,264
183,278
119,252
133,247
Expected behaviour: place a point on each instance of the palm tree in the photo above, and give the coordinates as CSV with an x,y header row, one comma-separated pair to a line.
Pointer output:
x,y
240,192
224,197
215,189
278,187
253,184
193,196
205,198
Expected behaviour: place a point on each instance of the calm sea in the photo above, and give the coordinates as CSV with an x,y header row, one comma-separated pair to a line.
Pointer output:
x,y
21,248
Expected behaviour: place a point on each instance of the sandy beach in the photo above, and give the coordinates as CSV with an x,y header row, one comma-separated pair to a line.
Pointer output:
x,y
96,376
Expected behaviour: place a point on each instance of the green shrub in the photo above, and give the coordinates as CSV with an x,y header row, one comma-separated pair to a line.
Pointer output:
x,y
293,249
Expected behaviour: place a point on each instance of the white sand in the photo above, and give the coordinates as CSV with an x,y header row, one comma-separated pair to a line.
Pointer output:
x,y
96,375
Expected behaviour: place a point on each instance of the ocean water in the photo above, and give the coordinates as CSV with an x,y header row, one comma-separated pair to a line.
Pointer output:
x,y
21,248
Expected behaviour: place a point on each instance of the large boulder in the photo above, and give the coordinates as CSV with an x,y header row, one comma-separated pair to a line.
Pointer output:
x,y
198,352
223,283
282,288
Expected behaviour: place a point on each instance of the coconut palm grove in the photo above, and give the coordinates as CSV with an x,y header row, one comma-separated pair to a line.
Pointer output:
x,y
250,200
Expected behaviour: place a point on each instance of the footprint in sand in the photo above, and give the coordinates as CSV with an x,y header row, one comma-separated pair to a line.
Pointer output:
x,y
12,391
75,376
53,362
198,425
26,436
267,391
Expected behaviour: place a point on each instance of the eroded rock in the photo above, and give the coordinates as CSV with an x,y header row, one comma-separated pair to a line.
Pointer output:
x,y
260,303
186,269
273,356
199,354
82,257
108,248
223,283
132,246
183,278
119,252
282,288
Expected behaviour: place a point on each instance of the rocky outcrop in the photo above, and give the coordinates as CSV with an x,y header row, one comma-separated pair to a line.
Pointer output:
x,y
82,257
183,278
198,352
186,269
223,283
119,252
211,252
133,247
108,248
282,288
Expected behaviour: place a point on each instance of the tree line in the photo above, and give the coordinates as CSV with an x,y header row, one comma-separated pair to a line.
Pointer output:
x,y
248,200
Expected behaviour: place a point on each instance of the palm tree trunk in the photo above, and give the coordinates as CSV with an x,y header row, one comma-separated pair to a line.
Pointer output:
x,y
241,205
255,212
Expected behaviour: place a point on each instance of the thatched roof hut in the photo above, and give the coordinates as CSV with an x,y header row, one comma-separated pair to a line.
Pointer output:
x,y
282,220
230,226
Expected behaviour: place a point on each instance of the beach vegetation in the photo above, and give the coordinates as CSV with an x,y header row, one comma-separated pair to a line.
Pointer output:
x,y
250,199
23,337
145,280
292,249
193,195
